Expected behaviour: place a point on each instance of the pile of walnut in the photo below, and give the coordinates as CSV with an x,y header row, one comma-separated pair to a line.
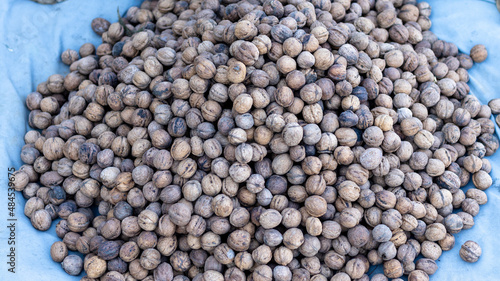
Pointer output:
x,y
259,140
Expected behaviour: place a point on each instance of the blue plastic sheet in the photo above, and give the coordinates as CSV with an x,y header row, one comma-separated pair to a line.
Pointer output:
x,y
32,37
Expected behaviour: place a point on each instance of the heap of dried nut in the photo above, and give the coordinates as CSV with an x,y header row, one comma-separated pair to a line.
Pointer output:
x,y
259,140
